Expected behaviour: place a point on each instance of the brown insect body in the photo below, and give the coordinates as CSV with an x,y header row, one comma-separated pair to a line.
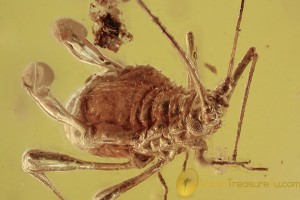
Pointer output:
x,y
138,111
132,112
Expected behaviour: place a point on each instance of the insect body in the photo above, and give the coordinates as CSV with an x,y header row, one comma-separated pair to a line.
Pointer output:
x,y
130,112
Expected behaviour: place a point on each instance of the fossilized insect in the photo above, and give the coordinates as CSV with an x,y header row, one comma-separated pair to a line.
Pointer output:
x,y
133,112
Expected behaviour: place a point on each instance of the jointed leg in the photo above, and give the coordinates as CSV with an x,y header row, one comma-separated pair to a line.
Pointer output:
x,y
230,84
37,162
185,161
201,158
243,164
163,182
36,79
72,34
115,191
251,55
234,75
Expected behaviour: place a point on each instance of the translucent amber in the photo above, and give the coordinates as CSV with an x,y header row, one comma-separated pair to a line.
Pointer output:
x,y
187,182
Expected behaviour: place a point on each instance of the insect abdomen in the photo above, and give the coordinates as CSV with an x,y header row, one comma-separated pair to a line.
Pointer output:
x,y
113,104
133,101
165,107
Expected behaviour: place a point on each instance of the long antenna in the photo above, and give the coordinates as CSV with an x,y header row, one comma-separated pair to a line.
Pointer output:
x,y
188,63
235,41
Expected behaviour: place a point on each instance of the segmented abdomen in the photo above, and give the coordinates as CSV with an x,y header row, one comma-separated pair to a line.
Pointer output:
x,y
133,101
137,101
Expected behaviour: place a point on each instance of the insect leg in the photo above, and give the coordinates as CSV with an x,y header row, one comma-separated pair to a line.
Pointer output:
x,y
73,35
230,83
115,191
233,76
36,79
188,63
205,161
250,56
243,164
37,162
163,182
185,161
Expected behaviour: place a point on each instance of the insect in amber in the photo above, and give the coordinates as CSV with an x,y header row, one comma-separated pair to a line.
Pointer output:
x,y
134,113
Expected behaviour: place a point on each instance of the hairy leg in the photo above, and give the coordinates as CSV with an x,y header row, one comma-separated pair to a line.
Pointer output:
x,y
73,35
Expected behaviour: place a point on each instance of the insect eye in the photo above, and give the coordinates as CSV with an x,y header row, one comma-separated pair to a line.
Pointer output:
x,y
187,182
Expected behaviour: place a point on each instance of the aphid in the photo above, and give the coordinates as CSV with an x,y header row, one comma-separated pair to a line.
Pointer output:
x,y
133,112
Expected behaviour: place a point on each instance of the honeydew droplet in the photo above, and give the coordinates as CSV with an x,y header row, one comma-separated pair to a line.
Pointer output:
x,y
187,182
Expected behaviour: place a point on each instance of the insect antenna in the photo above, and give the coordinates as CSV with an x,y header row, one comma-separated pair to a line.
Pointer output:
x,y
188,63
192,55
235,41
235,75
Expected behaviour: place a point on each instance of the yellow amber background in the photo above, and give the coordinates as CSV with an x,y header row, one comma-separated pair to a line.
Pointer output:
x,y
187,182
271,131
